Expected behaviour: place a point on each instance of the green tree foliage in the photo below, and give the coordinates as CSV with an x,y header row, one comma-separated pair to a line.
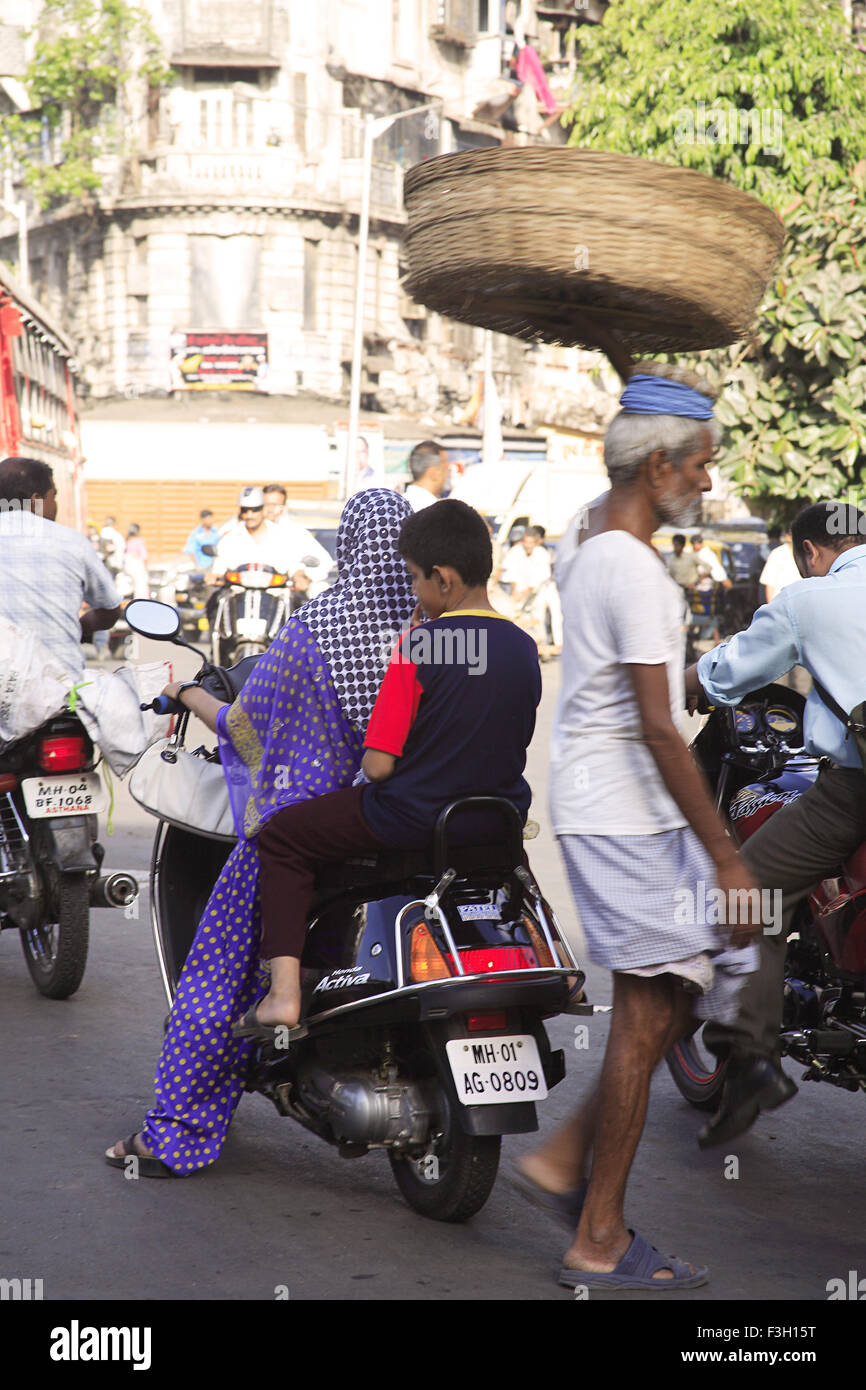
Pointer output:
x,y
770,96
87,53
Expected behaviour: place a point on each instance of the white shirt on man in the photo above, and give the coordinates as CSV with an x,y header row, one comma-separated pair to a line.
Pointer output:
x,y
242,547
419,497
621,607
526,570
780,569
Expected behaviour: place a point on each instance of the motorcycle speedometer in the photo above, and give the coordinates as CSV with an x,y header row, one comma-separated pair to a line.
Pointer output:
x,y
744,720
780,720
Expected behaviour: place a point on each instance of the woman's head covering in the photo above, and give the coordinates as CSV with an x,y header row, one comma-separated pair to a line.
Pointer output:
x,y
357,622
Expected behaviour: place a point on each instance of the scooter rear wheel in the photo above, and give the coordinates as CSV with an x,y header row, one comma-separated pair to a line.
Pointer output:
x,y
453,1180
699,1076
56,951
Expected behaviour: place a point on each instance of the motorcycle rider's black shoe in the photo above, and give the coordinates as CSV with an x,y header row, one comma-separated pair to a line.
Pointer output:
x,y
752,1084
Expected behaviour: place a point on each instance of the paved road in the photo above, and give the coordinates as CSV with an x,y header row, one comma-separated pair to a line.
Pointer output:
x,y
281,1208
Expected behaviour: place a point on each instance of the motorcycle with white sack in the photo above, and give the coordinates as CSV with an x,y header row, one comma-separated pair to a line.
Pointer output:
x,y
50,858
426,976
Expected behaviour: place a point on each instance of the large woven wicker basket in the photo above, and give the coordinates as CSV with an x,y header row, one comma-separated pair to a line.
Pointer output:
x,y
564,245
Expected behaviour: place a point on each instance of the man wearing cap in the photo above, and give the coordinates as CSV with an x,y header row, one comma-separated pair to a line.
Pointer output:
x,y
254,540
635,821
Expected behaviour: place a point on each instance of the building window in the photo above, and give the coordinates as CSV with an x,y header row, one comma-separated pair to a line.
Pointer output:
x,y
483,16
224,282
299,99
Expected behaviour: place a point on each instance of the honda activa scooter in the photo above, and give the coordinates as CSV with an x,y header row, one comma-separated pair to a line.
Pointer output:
x,y
426,980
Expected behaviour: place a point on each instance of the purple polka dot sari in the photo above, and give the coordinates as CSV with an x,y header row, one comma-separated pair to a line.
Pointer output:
x,y
285,739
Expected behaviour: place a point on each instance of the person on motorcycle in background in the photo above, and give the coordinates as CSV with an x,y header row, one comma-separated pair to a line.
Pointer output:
x,y
204,534
49,571
255,540
295,732
302,541
818,622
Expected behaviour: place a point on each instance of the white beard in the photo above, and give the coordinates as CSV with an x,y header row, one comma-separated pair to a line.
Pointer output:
x,y
677,511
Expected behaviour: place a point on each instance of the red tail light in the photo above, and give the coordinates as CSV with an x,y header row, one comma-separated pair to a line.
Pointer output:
x,y
8,781
486,1023
483,960
66,753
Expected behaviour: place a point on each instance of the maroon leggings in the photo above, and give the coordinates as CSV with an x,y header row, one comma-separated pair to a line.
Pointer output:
x,y
292,845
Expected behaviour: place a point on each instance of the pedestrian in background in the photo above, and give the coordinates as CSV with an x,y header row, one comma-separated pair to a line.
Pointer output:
x,y
204,534
135,561
429,468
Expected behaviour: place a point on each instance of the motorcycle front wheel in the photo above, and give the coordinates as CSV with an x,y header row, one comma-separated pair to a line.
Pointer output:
x,y
699,1076
453,1180
56,951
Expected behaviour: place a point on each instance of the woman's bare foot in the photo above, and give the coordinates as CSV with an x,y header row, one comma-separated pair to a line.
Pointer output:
x,y
141,1148
277,1010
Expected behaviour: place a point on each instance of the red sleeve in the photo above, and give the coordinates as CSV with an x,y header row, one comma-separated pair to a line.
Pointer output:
x,y
396,706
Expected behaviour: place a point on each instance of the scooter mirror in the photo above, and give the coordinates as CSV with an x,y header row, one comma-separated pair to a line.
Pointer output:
x,y
152,619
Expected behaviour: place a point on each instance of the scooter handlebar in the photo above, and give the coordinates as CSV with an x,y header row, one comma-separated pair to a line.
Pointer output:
x,y
163,704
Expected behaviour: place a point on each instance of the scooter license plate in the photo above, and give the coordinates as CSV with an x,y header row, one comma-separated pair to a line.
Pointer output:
x,y
251,628
496,1071
73,794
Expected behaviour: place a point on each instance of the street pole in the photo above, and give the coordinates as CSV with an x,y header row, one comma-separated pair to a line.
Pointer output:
x,y
487,444
374,126
358,337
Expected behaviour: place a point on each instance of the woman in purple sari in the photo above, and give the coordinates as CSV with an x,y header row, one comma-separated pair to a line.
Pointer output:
x,y
295,731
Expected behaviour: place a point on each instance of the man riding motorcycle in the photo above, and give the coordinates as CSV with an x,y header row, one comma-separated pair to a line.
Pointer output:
x,y
49,571
255,540
820,624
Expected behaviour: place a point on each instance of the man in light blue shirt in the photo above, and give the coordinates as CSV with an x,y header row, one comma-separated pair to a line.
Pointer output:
x,y
204,534
818,622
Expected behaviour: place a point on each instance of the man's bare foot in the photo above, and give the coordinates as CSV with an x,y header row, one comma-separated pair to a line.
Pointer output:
x,y
598,1261
548,1176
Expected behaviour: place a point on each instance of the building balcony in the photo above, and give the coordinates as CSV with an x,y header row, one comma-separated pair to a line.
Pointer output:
x,y
252,173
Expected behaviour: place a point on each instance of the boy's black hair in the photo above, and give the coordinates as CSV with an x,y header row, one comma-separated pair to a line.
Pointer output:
x,y
835,525
448,533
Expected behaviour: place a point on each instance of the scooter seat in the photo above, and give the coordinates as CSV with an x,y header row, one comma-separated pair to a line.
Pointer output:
x,y
392,867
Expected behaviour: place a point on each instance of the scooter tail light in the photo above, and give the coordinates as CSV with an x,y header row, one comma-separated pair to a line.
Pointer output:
x,y
485,960
278,581
64,753
426,961
486,1023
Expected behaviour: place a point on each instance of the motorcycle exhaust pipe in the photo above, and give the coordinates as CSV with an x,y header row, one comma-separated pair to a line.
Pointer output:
x,y
113,890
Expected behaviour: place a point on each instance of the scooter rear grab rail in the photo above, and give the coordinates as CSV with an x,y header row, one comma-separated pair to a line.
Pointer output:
x,y
507,810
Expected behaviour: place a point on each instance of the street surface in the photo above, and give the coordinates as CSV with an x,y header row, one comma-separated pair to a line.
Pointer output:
x,y
281,1208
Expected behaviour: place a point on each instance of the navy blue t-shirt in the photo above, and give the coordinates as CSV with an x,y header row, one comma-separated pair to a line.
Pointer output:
x,y
457,709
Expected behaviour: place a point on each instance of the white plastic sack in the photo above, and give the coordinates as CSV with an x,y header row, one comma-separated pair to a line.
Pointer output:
x,y
33,683
108,706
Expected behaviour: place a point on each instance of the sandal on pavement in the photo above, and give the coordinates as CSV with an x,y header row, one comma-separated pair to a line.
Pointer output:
x,y
562,1206
635,1271
148,1166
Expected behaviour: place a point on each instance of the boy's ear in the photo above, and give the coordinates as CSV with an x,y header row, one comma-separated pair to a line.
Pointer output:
x,y
446,576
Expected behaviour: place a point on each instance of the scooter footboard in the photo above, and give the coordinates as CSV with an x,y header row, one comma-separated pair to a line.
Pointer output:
x,y
481,1066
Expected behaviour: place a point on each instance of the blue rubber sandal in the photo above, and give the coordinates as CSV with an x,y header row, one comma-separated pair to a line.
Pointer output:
x,y
565,1207
635,1271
